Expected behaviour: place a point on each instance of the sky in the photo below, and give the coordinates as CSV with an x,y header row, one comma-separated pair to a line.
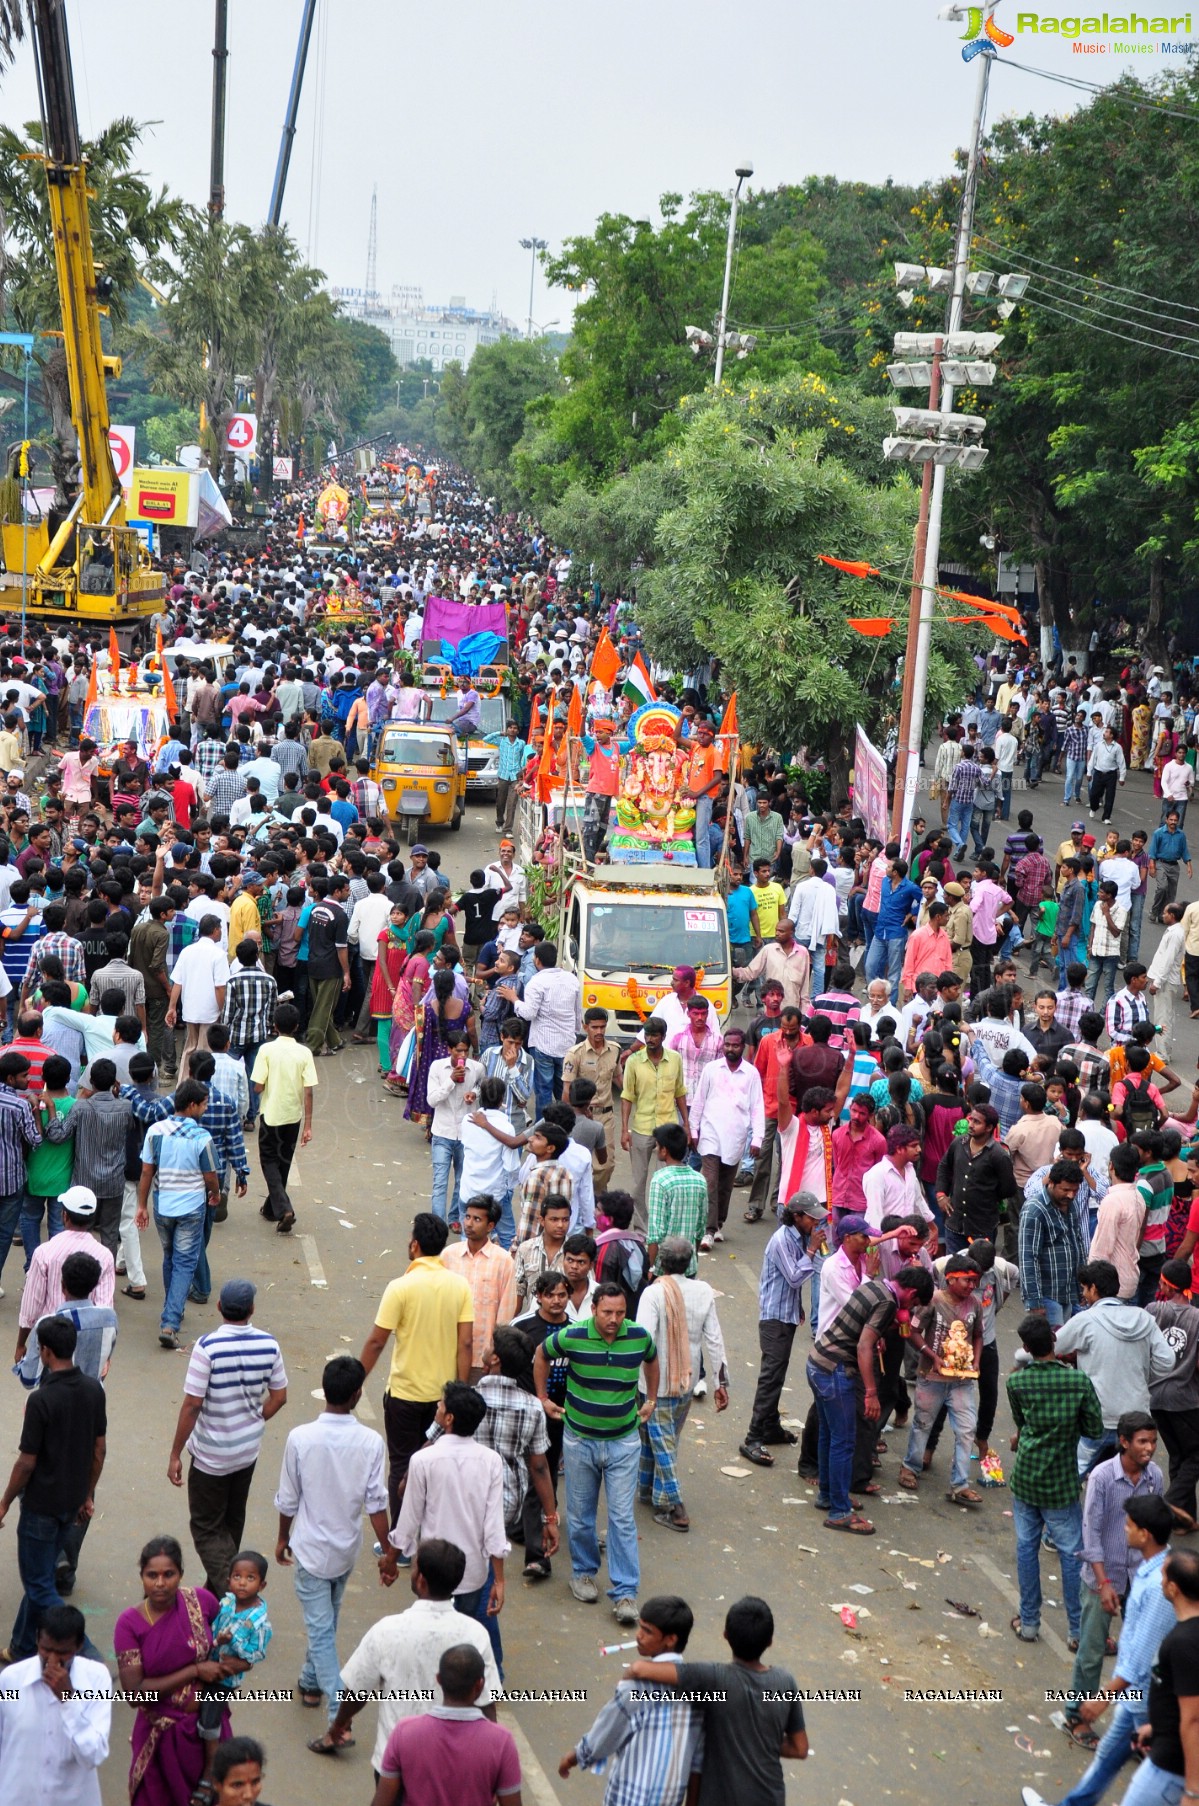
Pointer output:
x,y
483,124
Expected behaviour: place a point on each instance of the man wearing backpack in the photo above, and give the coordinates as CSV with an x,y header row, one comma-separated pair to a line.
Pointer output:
x,y
1157,1188
620,1251
1135,1102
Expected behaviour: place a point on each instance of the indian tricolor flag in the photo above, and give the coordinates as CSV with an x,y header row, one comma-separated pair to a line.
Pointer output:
x,y
638,685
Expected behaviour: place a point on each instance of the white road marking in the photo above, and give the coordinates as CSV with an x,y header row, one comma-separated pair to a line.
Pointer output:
x,y
746,1273
535,1783
316,1273
1049,1637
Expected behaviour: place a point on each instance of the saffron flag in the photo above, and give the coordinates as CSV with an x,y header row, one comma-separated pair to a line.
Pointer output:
x,y
546,765
983,602
871,627
728,721
1000,629
852,569
168,687
638,685
574,713
92,697
605,661
114,656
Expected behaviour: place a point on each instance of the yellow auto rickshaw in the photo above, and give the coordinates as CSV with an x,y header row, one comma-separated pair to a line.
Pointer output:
x,y
421,769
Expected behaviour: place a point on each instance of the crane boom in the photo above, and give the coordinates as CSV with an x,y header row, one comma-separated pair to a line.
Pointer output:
x,y
293,108
87,562
66,180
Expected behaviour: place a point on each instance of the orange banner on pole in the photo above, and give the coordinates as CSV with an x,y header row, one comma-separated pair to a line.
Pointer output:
x,y
728,721
850,567
114,656
574,713
605,661
999,628
870,627
984,602
92,697
546,765
168,687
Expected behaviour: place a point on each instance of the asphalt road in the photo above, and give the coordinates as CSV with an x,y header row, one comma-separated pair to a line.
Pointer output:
x,y
356,1189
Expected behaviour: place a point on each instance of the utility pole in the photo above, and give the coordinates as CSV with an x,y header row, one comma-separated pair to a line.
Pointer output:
x,y
932,498
743,173
220,60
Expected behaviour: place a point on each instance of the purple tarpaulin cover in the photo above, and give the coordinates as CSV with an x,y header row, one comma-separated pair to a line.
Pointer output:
x,y
447,620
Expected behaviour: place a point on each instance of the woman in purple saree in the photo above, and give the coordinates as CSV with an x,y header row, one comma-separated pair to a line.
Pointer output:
x,y
161,1648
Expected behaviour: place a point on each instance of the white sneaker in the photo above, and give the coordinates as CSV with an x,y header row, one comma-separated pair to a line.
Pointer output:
x,y
705,1247
1030,1797
718,1235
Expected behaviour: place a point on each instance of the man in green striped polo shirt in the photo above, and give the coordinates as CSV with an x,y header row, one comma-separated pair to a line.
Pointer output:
x,y
601,1442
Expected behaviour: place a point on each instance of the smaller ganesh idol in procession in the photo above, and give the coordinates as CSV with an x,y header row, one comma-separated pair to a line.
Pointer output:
x,y
655,819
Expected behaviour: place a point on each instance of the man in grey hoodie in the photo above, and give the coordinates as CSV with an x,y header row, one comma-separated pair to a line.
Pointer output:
x,y
1120,1349
1175,1399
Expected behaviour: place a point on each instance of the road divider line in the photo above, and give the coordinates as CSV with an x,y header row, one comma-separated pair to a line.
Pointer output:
x,y
316,1273
1012,1594
535,1784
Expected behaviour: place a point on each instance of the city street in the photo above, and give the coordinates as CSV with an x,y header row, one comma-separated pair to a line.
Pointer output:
x,y
358,1185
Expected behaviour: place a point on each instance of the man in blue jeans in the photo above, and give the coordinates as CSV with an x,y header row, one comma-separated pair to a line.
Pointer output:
x,y
19,1135
179,1165
843,1372
452,1092
604,1357
1148,1617
62,1448
898,907
553,1008
1052,1405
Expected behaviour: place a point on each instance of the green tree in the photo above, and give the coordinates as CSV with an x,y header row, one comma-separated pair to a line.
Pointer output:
x,y
723,537
488,408
131,228
375,372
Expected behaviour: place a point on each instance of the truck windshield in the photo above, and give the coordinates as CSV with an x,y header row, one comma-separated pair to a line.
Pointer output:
x,y
495,711
639,937
415,749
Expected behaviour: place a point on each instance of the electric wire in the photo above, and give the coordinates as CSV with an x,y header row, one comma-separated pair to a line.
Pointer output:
x,y
1111,93
1080,319
1008,252
1119,315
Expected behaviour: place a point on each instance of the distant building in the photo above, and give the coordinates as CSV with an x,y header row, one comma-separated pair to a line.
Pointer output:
x,y
442,335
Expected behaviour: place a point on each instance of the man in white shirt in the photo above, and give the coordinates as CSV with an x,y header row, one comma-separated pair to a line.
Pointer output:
x,y
333,1471
1007,748
1123,872
397,1660
552,1006
198,983
878,1004
368,918
55,1718
814,912
1178,780
891,1187
455,1490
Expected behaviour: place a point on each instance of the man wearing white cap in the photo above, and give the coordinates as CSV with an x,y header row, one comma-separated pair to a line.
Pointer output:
x,y
43,1291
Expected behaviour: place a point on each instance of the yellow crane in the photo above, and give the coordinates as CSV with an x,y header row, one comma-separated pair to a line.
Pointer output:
x,y
84,563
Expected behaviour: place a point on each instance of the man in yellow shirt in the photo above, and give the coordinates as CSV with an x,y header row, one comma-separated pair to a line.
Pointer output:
x,y
431,1314
1069,849
769,898
653,1093
244,918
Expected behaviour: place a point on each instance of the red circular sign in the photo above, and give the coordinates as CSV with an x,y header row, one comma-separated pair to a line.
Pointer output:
x,y
240,433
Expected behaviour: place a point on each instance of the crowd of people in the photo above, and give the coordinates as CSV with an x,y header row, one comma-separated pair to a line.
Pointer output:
x,y
925,1126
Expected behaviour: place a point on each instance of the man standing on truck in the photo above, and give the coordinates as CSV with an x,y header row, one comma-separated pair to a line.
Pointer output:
x,y
603,784
467,719
703,779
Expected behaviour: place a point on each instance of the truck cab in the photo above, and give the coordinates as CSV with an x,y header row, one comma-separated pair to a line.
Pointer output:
x,y
623,929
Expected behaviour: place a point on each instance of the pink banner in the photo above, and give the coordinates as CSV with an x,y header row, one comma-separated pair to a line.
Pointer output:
x,y
452,621
870,787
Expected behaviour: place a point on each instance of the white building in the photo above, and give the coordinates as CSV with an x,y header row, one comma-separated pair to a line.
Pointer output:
x,y
442,335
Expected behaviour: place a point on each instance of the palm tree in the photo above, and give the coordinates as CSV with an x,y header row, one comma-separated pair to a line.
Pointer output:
x,y
12,29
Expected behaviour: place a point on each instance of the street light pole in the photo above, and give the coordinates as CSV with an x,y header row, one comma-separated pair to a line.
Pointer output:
x,y
532,246
743,172
920,624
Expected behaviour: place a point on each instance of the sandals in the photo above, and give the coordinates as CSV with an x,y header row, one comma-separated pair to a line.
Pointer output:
x,y
319,1747
536,1570
753,1451
311,1697
964,1495
852,1525
907,1481
782,1438
133,1291
751,1216
285,1223
1082,1735
675,1519
1016,1626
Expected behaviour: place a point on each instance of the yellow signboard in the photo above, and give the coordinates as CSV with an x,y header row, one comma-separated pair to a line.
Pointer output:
x,y
161,496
